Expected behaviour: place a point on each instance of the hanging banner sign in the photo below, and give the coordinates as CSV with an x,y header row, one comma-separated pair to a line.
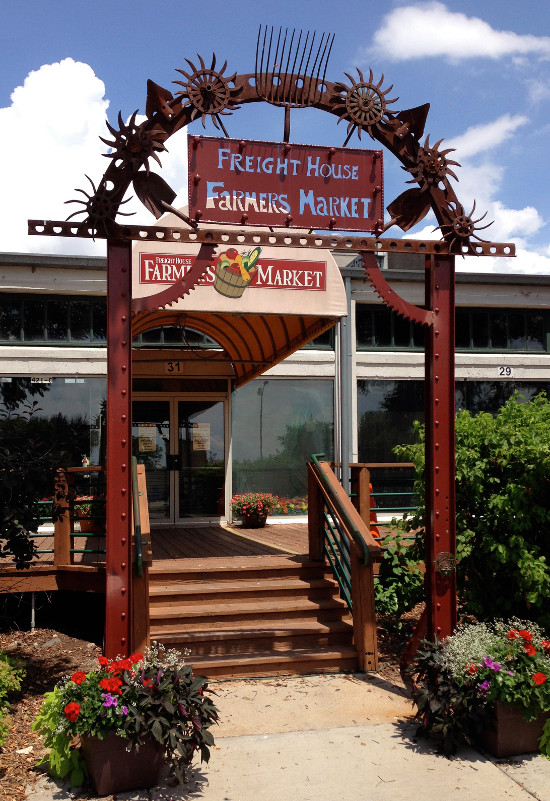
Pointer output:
x,y
246,182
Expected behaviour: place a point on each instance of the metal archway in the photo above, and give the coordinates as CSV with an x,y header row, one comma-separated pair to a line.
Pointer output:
x,y
363,104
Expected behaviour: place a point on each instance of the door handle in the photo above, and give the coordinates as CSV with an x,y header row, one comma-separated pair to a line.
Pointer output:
x,y
172,461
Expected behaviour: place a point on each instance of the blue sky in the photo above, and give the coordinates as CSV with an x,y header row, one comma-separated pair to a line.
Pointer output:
x,y
67,66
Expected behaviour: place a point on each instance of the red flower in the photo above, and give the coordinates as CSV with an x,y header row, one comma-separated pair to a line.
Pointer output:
x,y
529,649
545,644
137,657
78,677
103,661
539,678
147,682
471,668
72,711
513,634
119,666
525,635
111,686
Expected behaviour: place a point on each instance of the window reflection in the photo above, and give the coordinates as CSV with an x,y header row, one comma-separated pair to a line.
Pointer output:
x,y
277,426
69,414
386,410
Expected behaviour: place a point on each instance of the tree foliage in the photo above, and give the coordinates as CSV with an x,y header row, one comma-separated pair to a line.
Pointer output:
x,y
27,468
502,508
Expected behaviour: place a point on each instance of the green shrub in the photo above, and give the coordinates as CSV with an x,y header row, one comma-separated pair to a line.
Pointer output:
x,y
502,509
399,585
11,676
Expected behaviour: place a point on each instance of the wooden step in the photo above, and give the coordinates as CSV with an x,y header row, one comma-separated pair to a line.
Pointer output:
x,y
252,616
276,636
172,593
297,662
225,569
266,609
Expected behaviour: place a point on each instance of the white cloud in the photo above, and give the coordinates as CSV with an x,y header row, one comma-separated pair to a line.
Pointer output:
x,y
431,30
538,91
49,138
488,136
525,261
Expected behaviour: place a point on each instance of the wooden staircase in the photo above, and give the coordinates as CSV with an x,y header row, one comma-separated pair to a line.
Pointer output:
x,y
251,616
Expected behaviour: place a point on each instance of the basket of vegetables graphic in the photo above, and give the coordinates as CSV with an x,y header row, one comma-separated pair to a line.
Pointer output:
x,y
234,271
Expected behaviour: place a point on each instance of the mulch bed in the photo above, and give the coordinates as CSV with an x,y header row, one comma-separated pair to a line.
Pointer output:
x,y
49,656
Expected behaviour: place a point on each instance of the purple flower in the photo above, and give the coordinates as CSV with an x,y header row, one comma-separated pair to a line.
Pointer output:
x,y
484,687
124,710
110,700
488,663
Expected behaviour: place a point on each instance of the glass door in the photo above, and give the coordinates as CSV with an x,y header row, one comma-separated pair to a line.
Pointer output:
x,y
151,447
181,442
200,483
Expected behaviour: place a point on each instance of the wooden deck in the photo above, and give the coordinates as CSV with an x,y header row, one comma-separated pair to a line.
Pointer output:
x,y
169,542
192,542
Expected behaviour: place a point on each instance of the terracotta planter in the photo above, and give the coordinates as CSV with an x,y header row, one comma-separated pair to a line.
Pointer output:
x,y
256,521
88,525
113,769
509,733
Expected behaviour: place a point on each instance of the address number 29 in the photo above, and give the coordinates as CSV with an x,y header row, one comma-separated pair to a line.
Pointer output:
x,y
506,372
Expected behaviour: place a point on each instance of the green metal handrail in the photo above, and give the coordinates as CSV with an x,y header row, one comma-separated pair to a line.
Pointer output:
x,y
342,511
337,553
137,519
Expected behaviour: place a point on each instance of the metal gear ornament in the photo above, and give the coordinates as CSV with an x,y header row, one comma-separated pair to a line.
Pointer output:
x,y
432,165
461,228
364,103
133,145
100,208
208,91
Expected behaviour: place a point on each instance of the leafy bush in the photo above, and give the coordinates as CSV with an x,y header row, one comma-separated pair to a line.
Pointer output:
x,y
456,682
11,676
253,504
502,509
28,464
400,582
155,695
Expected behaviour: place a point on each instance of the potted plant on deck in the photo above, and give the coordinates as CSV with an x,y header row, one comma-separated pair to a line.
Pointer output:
x,y
252,508
90,510
121,722
487,683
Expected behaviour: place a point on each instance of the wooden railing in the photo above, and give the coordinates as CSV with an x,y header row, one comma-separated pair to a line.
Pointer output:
x,y
70,484
393,493
142,559
338,533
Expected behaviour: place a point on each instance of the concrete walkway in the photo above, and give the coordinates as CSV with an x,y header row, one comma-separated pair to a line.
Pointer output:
x,y
331,738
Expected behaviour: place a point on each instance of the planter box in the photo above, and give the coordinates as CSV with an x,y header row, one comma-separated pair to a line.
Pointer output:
x,y
509,733
254,521
113,769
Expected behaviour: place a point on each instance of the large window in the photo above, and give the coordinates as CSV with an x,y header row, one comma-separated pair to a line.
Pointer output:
x,y
68,414
379,328
386,410
277,425
47,320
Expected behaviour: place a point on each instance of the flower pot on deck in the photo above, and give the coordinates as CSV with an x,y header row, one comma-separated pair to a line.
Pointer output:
x,y
254,521
88,525
509,733
113,769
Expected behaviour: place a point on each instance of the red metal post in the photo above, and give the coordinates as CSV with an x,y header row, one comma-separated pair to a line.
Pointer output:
x,y
440,448
119,449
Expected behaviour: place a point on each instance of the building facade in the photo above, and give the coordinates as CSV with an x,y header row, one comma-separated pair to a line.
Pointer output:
x,y
353,393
